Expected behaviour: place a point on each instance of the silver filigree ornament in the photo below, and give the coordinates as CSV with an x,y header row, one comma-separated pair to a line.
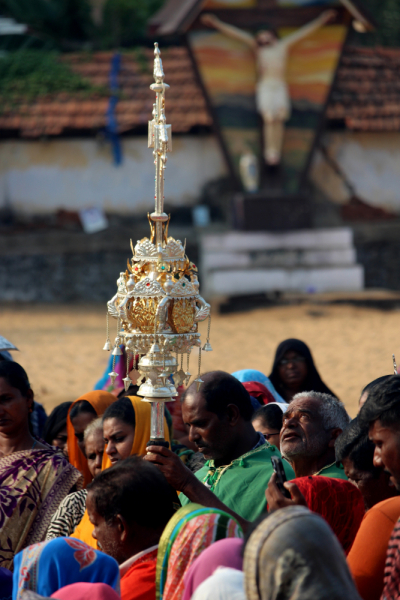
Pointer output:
x,y
157,304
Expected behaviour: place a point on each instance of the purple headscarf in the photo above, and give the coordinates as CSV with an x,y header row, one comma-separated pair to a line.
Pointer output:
x,y
224,553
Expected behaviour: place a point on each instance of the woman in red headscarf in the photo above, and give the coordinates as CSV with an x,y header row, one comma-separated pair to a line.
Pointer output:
x,y
338,501
259,391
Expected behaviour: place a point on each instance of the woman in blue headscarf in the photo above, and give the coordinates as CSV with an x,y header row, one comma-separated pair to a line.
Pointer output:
x,y
46,567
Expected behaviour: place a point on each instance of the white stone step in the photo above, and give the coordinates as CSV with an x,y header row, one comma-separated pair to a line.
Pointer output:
x,y
236,241
252,281
278,258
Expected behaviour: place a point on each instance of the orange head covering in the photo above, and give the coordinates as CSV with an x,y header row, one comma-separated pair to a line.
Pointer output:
x,y
100,400
142,429
142,410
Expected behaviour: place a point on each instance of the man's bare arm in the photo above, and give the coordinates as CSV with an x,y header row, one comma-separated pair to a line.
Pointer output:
x,y
229,30
183,480
306,30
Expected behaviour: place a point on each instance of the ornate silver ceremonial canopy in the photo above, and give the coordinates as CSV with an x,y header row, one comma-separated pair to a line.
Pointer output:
x,y
157,304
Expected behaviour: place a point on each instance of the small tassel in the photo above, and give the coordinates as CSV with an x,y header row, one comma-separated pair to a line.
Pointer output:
x,y
117,350
113,375
207,346
187,372
199,380
127,382
198,383
107,345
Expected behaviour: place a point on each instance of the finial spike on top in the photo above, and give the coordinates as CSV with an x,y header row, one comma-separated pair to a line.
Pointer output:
x,y
394,364
159,138
158,68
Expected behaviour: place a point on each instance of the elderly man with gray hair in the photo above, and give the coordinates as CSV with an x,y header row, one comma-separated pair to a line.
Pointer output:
x,y
310,427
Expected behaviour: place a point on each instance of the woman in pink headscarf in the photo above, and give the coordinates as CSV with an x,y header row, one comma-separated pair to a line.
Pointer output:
x,y
86,591
224,553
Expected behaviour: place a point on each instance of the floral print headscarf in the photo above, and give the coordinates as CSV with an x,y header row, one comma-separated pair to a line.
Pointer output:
x,y
192,529
46,567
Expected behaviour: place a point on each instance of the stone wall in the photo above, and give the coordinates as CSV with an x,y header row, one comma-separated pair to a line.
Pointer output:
x,y
56,266
63,267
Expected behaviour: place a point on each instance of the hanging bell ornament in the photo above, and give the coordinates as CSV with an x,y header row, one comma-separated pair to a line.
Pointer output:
x,y
107,346
117,351
198,383
155,348
113,375
127,382
207,347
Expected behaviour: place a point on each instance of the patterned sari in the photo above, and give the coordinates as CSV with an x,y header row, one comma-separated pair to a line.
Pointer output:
x,y
32,485
192,529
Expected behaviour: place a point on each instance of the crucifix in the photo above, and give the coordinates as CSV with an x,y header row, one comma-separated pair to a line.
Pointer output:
x,y
272,95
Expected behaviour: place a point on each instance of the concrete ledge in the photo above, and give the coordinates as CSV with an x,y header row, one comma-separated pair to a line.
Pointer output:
x,y
278,258
339,238
242,282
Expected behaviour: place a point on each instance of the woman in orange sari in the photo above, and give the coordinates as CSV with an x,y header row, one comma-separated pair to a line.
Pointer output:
x,y
83,411
126,431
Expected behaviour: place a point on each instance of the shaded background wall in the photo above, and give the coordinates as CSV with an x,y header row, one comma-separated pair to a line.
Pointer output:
x,y
43,176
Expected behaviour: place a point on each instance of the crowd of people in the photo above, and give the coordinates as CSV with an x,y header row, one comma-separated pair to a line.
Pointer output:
x,y
267,491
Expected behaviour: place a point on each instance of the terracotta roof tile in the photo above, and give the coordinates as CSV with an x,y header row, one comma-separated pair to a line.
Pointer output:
x,y
366,95
53,115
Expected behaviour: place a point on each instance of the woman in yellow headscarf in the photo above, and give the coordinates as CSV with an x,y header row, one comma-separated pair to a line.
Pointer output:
x,y
126,431
83,411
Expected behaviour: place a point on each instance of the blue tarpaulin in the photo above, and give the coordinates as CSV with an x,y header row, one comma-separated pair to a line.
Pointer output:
x,y
111,128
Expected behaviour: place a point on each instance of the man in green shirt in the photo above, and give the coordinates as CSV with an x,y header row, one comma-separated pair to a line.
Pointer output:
x,y
310,427
238,467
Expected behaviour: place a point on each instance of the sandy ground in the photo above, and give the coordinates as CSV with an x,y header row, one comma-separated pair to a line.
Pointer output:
x,y
61,346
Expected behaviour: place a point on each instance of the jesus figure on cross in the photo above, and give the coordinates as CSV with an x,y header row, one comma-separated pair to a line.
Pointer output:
x,y
272,96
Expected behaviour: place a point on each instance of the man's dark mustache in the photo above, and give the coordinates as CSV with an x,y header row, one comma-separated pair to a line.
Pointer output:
x,y
201,445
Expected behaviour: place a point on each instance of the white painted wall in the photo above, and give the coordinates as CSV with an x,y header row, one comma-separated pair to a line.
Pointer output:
x,y
370,161
42,176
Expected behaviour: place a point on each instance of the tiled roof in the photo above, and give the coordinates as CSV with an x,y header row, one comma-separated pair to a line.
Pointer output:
x,y
66,112
366,95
